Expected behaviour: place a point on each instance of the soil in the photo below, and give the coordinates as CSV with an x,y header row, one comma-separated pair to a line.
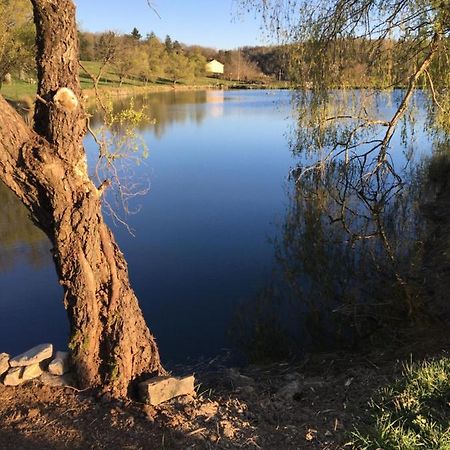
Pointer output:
x,y
313,405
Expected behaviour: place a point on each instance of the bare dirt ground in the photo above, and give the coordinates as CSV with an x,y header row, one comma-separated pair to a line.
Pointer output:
x,y
309,405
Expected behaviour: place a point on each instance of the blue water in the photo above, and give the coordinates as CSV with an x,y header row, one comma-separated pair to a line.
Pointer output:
x,y
217,169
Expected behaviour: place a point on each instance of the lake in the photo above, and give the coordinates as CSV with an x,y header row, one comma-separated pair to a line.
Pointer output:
x,y
217,170
217,167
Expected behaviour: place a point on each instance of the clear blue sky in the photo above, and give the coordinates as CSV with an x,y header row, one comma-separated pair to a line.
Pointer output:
x,y
211,23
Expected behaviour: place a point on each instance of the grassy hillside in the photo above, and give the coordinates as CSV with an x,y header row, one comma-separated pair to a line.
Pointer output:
x,y
19,90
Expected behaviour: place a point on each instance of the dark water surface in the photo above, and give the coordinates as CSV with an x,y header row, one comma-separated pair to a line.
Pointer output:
x,y
217,168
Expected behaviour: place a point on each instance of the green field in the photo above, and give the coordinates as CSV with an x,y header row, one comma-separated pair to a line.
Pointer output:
x,y
19,90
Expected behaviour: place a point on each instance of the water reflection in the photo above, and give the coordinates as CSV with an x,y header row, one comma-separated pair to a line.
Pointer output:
x,y
201,233
20,240
31,306
353,270
215,100
165,108
169,109
201,246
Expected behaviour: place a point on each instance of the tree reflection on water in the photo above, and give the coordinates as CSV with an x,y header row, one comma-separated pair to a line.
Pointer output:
x,y
162,108
350,275
19,237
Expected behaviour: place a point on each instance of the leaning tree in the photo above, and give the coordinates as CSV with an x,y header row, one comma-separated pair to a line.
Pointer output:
x,y
46,168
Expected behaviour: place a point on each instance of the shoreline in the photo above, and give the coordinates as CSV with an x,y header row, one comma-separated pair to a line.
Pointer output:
x,y
315,404
24,100
16,97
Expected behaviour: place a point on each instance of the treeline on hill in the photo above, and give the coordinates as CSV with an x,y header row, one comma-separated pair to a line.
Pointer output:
x,y
349,62
150,58
352,62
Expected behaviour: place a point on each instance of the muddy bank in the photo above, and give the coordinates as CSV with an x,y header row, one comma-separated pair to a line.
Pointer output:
x,y
313,404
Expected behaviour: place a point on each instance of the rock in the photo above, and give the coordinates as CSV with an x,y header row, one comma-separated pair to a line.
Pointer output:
x,y
30,372
35,355
13,377
247,391
288,391
160,389
60,364
17,375
4,363
57,381
238,380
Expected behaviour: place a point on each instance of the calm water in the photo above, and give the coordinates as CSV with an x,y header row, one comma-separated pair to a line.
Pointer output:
x,y
217,170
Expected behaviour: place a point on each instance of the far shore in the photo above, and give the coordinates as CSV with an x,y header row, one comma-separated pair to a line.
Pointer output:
x,y
23,94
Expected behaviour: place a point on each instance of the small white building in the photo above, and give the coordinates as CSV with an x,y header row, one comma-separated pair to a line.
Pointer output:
x,y
215,67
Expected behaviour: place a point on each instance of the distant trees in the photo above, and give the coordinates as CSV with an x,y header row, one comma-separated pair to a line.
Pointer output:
x,y
87,42
168,44
198,61
16,37
238,66
135,34
151,58
156,57
179,68
271,61
127,61
131,56
350,61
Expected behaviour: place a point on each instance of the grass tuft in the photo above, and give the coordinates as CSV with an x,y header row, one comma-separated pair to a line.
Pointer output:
x,y
412,413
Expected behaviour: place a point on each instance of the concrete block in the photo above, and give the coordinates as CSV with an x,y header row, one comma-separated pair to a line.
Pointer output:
x,y
160,389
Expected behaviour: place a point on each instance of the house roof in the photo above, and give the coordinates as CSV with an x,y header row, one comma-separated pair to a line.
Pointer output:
x,y
214,61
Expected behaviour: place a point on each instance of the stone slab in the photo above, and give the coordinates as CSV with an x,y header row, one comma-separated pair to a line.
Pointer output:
x,y
60,364
13,377
160,389
56,380
31,372
34,355
4,363
288,391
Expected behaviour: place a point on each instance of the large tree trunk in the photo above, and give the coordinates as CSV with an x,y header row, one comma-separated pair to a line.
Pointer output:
x,y
46,167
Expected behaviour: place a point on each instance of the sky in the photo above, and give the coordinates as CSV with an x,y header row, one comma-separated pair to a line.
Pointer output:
x,y
210,23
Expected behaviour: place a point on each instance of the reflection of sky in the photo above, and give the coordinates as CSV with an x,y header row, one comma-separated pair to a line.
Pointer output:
x,y
217,167
411,139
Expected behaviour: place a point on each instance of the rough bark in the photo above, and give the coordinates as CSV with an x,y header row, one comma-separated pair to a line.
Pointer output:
x,y
46,167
